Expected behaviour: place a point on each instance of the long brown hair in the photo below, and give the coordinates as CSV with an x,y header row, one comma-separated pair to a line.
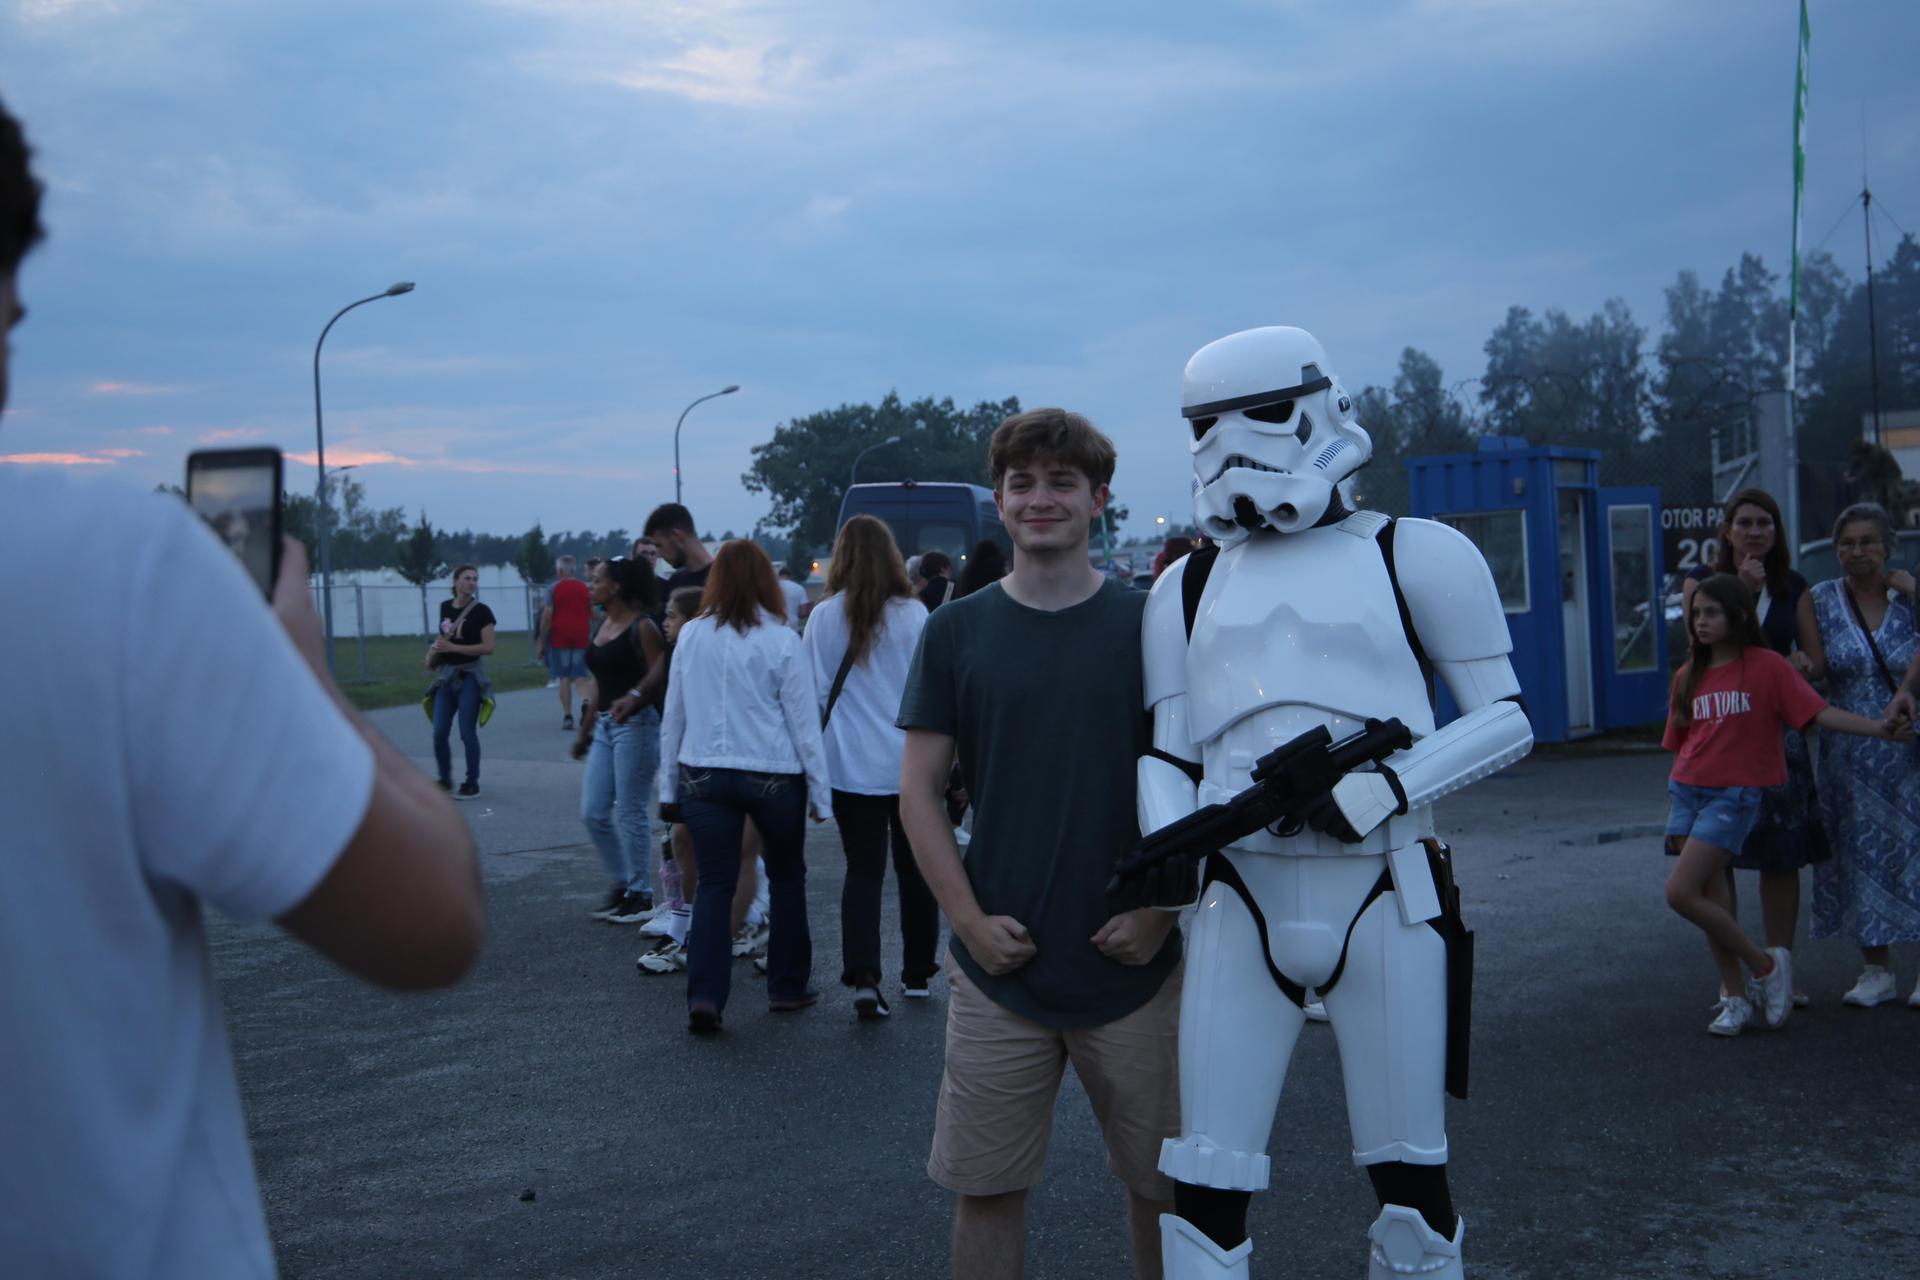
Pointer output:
x,y
1743,629
1777,561
868,571
740,584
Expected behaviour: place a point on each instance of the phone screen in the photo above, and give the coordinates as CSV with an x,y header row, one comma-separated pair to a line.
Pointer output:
x,y
237,492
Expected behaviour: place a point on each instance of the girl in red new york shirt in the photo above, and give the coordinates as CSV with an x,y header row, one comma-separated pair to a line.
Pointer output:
x,y
1730,703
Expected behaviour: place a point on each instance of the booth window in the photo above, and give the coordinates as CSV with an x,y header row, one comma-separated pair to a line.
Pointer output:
x,y
1630,546
1502,539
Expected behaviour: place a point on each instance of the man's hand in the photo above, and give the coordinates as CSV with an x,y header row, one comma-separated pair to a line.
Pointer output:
x,y
1134,937
999,944
293,606
624,708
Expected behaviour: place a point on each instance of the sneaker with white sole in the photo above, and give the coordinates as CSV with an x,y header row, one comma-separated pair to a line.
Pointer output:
x,y
661,926
919,991
634,908
1734,1016
750,941
869,1005
1775,990
615,897
760,965
671,958
1876,986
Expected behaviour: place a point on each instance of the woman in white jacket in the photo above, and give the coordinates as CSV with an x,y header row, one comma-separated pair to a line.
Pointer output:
x,y
862,637
741,739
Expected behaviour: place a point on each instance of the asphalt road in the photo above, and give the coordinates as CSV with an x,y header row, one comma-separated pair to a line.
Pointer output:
x,y
552,1118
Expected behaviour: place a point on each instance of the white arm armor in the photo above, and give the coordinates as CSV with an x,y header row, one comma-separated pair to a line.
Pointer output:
x,y
1457,615
1166,792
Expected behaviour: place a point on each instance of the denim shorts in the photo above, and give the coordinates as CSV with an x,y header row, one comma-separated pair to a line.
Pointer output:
x,y
567,664
1719,816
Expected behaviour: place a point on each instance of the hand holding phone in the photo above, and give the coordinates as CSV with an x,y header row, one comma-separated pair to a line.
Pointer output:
x,y
238,493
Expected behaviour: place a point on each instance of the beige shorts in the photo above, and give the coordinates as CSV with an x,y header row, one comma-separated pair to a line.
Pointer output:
x,y
1003,1074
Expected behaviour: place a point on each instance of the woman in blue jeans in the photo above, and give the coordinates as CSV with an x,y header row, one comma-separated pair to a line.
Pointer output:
x,y
740,739
460,685
621,740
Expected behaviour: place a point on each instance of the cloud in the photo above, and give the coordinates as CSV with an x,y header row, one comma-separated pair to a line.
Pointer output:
x,y
132,389
221,435
154,431
97,458
355,458
117,454
825,209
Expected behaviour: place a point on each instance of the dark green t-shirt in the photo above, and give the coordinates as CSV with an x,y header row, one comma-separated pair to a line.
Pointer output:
x,y
1046,711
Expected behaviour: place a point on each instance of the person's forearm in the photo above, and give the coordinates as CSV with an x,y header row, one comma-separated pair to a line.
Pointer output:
x,y
924,815
1847,722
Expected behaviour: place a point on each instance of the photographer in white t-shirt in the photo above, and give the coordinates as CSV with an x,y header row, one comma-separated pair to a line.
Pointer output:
x,y
205,758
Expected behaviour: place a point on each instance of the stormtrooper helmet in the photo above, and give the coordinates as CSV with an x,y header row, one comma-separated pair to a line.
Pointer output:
x,y
1273,433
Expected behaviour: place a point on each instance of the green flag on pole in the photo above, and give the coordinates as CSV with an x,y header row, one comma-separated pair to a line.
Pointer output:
x,y
1799,158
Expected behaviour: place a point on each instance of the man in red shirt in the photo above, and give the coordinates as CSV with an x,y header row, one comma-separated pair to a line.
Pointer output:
x,y
565,623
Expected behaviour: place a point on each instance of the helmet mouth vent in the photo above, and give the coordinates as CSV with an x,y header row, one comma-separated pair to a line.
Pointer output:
x,y
1286,512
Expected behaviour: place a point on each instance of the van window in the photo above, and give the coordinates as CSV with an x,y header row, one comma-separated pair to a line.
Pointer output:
x,y
923,537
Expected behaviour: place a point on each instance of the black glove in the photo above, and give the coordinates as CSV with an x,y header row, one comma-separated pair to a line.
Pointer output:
x,y
1324,816
1172,883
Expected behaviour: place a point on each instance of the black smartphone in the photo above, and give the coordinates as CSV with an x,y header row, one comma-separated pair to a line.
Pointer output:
x,y
238,493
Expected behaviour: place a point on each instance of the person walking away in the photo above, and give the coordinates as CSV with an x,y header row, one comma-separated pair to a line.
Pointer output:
x,y
460,684
564,626
1787,835
1869,891
1035,682
986,564
741,739
798,606
1730,702
937,569
621,743
860,642
206,762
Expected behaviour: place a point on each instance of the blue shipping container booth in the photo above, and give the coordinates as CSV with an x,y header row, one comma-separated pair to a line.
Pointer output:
x,y
1578,568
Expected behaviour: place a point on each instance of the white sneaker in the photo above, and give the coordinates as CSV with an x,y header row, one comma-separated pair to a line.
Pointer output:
x,y
750,941
660,926
671,958
1776,989
1735,1014
1876,986
760,964
1913,1001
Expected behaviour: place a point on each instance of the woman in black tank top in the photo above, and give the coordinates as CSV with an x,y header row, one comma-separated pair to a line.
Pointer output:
x,y
621,741
1788,834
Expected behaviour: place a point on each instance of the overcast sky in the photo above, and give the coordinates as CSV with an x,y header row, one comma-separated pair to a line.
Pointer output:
x,y
612,208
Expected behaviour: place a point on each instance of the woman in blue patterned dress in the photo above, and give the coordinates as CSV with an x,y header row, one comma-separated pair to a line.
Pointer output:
x,y
1869,890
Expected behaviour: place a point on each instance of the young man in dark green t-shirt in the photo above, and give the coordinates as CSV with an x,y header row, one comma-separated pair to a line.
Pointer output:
x,y
1036,682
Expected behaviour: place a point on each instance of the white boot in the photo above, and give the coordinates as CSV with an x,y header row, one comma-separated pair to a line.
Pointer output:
x,y
1187,1254
1404,1245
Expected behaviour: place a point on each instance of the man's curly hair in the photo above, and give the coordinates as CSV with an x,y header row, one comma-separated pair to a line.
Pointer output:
x,y
20,227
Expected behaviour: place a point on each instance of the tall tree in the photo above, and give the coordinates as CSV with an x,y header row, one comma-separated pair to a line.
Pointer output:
x,y
1555,381
419,562
805,467
535,558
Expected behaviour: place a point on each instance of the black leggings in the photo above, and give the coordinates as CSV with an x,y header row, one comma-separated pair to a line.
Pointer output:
x,y
866,822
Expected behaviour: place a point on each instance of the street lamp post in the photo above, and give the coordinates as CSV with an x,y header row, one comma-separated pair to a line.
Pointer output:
x,y
320,459
724,391
854,477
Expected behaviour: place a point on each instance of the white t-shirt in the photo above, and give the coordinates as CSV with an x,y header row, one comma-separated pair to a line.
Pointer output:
x,y
796,600
864,745
162,745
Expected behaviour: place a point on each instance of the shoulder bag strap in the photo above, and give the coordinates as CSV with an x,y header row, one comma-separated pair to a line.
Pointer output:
x,y
1893,686
839,682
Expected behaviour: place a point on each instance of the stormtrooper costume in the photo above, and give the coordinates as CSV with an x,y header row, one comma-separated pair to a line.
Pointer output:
x,y
1311,615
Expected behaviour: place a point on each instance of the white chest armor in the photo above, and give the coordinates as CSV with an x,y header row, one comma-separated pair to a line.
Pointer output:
x,y
1294,632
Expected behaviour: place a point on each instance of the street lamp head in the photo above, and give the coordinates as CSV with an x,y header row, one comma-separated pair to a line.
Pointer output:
x,y
395,290
727,391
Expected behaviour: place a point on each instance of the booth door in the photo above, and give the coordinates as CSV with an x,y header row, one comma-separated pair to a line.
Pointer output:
x,y
1633,635
1576,604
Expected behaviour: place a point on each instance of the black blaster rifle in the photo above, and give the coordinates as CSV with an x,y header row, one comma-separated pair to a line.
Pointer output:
x,y
1288,782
